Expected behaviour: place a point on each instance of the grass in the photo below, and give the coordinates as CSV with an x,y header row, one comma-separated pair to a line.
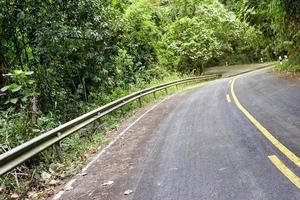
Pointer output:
x,y
288,67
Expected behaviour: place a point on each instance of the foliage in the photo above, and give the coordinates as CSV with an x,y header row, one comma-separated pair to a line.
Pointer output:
x,y
279,22
76,48
190,45
20,87
206,34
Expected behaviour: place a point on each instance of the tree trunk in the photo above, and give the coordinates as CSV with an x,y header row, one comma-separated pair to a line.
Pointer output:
x,y
202,69
34,109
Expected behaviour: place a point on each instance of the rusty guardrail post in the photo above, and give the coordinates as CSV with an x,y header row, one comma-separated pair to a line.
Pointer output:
x,y
154,95
122,110
140,102
58,149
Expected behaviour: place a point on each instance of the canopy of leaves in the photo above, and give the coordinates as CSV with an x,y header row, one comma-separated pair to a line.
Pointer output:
x,y
204,33
278,20
57,55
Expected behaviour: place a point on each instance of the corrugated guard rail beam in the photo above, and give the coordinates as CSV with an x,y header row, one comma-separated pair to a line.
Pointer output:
x,y
16,156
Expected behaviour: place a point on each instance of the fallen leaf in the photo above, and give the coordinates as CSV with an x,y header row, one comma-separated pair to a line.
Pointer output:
x,y
128,192
68,188
32,194
55,167
53,182
45,176
14,196
108,183
83,174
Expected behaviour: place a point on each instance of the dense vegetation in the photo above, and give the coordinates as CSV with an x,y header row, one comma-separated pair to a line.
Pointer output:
x,y
58,55
279,23
59,59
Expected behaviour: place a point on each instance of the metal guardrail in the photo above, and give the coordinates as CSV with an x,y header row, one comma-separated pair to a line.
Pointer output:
x,y
16,156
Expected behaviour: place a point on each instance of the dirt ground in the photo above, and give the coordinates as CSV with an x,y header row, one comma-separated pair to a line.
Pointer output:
x,y
288,75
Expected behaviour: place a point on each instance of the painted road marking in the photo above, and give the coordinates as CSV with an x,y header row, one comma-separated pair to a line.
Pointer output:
x,y
228,98
67,187
285,170
69,184
264,131
58,195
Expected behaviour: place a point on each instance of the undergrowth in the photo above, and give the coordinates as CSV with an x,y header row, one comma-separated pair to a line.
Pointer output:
x,y
291,65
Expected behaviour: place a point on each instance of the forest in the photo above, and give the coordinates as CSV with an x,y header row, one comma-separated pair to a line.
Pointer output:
x,y
59,59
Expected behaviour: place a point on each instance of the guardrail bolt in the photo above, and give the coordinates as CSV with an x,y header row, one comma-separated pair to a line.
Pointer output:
x,y
58,149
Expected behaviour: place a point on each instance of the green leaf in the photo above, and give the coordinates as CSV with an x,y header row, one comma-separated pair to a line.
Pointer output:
x,y
17,72
31,82
29,73
4,88
14,100
24,99
35,130
13,86
16,89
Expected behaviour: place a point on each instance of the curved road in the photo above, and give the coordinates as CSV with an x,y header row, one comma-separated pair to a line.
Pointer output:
x,y
206,147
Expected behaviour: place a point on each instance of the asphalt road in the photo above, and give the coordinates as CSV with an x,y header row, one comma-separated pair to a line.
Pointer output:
x,y
206,148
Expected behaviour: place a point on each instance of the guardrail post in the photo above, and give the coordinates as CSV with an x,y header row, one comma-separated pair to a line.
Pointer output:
x,y
176,87
58,149
154,94
166,90
122,110
140,102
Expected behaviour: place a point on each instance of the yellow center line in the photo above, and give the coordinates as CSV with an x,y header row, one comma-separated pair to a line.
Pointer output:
x,y
228,98
285,170
264,131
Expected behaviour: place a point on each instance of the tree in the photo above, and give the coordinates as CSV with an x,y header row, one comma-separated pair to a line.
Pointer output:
x,y
190,44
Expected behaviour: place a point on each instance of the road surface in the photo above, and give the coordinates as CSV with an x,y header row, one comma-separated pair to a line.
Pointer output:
x,y
231,139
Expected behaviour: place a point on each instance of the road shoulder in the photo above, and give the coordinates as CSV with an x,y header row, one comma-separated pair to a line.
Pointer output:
x,y
118,169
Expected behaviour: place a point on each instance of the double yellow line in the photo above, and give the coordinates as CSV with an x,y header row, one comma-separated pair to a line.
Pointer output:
x,y
275,160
